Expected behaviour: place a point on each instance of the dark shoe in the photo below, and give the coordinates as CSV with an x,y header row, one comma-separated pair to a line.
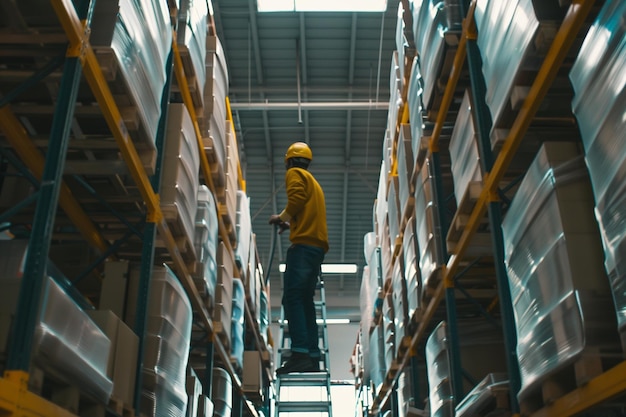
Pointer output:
x,y
315,364
298,362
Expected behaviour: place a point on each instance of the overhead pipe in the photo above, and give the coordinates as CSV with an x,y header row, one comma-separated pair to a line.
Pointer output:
x,y
332,105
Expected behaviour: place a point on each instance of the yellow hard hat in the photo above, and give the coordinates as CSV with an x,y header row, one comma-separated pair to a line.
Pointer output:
x,y
299,150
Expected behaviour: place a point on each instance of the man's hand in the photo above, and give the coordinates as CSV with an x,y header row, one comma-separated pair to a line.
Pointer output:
x,y
275,220
283,226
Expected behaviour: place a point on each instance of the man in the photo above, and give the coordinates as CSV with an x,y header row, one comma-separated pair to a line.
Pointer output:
x,y
305,217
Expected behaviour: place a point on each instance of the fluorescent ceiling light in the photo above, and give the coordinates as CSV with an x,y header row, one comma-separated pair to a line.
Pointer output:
x,y
331,268
320,321
322,5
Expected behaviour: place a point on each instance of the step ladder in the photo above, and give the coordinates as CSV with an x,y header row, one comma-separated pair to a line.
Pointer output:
x,y
295,392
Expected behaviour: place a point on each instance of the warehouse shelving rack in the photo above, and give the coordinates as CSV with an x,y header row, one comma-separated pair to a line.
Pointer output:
x,y
80,59
609,384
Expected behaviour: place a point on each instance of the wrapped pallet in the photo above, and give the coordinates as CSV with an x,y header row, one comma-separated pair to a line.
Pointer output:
x,y
405,172
599,102
222,393
139,33
507,31
244,233
464,157
389,330
180,178
215,93
553,254
222,312
411,270
376,357
66,340
415,92
166,346
441,397
191,36
237,322
427,228
433,20
366,304
400,303
205,244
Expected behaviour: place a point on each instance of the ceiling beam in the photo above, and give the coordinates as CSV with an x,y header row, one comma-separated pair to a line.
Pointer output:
x,y
335,90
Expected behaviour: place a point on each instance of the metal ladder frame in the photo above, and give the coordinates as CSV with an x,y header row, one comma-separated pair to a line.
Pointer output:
x,y
319,379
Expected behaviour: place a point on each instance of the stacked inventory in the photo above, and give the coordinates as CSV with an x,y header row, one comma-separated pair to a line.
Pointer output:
x,y
419,144
191,36
553,255
244,234
222,393
598,80
205,244
512,36
140,37
405,172
215,93
237,322
433,22
427,229
441,398
381,223
400,303
490,393
222,311
166,346
179,183
411,271
388,330
66,340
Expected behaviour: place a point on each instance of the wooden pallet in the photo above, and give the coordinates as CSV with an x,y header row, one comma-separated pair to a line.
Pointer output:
x,y
184,242
59,389
461,219
196,90
407,211
432,283
590,364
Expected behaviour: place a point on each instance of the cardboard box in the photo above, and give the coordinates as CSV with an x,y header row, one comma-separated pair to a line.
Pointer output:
x,y
113,292
252,381
122,365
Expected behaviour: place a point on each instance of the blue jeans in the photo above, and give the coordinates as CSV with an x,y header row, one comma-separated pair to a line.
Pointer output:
x,y
299,281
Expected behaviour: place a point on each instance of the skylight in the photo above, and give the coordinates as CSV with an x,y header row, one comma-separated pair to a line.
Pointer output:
x,y
322,5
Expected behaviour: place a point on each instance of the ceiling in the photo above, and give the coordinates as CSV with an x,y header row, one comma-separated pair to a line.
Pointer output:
x,y
321,78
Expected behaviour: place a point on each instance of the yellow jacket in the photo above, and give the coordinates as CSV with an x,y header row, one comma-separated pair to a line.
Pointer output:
x,y
305,210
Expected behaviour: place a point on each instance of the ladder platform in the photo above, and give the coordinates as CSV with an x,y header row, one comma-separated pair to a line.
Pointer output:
x,y
304,407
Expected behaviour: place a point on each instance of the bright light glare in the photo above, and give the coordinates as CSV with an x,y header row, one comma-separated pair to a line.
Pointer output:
x,y
322,5
331,268
320,321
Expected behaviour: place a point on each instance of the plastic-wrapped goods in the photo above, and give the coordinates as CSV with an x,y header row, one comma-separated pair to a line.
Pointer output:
x,y
405,169
389,330
205,243
191,33
215,93
419,144
394,218
395,94
65,339
560,292
463,148
599,102
376,271
253,284
439,380
381,203
400,303
181,159
222,313
265,316
244,233
369,245
427,226
366,304
432,21
232,174
401,41
507,30
405,398
140,34
68,340
222,393
376,357
411,269
166,347
237,329
483,395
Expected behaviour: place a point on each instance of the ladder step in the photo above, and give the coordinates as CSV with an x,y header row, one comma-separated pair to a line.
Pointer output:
x,y
304,407
305,379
